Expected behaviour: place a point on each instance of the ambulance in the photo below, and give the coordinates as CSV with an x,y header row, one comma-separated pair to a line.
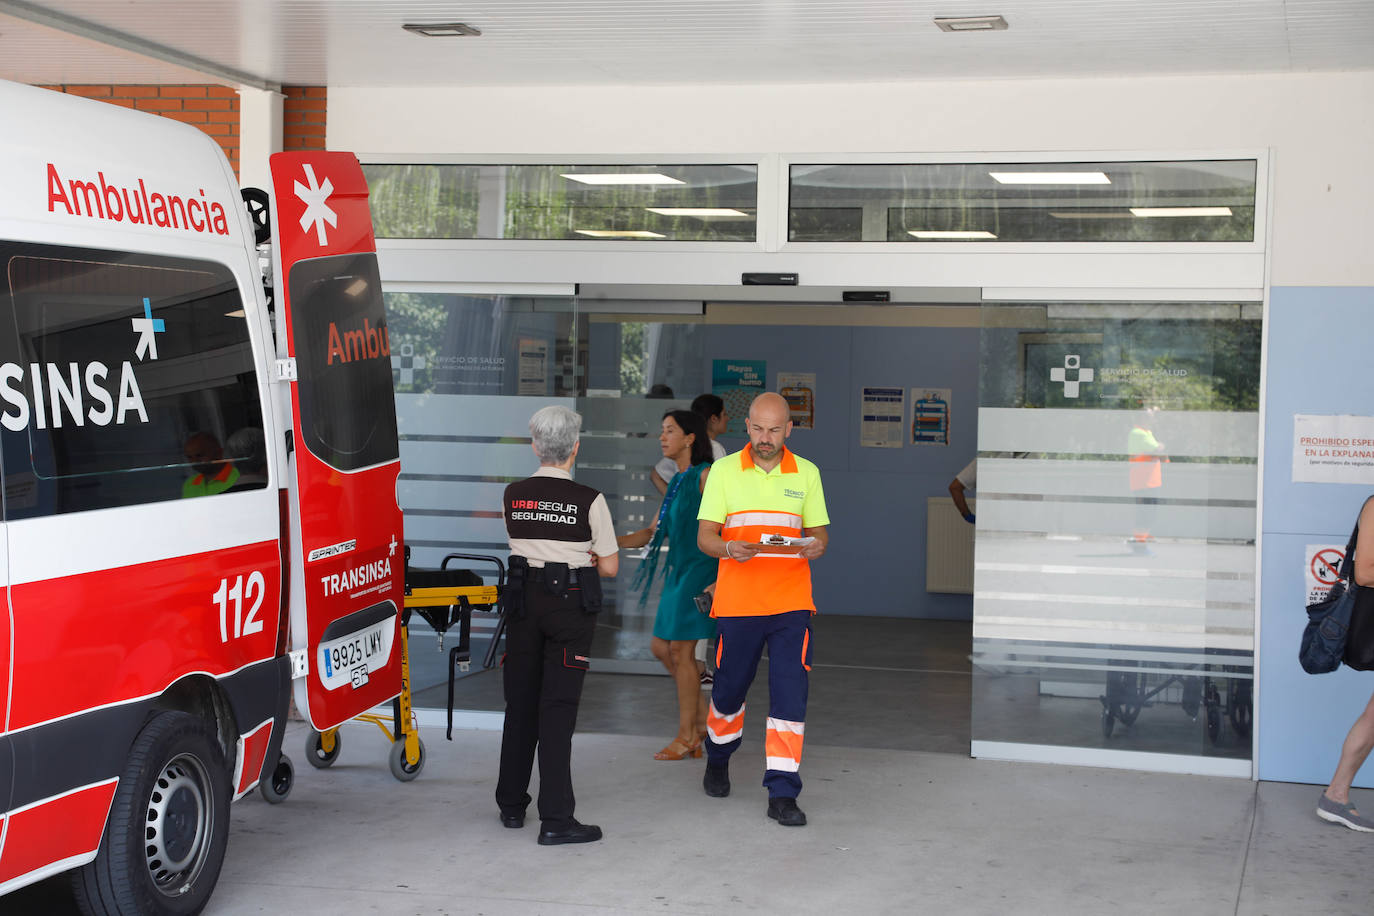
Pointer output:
x,y
199,516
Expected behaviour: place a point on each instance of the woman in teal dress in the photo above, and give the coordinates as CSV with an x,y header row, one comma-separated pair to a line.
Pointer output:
x,y
687,571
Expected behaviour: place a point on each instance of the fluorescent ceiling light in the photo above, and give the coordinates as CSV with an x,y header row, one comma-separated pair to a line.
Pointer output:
x,y
1092,214
970,23
441,29
1051,177
619,233
1180,211
703,212
620,178
951,234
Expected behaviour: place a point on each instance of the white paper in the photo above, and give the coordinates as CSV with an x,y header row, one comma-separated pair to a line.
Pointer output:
x,y
1333,449
883,417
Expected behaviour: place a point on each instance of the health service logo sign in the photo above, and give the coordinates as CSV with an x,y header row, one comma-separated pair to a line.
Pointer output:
x,y
1061,374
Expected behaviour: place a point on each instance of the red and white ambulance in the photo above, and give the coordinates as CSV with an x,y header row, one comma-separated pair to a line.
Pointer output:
x,y
199,491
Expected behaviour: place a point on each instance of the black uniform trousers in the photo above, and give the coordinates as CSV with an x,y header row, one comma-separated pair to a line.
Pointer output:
x,y
546,660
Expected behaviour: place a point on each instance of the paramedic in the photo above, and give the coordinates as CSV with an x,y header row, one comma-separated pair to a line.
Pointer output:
x,y
561,539
762,598
213,473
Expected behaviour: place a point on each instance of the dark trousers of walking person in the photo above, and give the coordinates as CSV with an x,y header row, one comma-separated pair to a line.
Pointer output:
x,y
547,644
741,643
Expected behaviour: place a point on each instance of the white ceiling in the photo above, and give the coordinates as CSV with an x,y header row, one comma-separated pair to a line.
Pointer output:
x,y
609,42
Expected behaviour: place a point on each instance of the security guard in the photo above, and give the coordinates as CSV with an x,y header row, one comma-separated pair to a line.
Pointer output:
x,y
763,513
562,540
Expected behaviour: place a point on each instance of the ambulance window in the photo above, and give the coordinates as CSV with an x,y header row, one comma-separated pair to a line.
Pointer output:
x,y
343,361
124,379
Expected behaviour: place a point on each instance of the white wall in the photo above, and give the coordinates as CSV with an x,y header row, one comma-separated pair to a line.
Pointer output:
x,y
1319,126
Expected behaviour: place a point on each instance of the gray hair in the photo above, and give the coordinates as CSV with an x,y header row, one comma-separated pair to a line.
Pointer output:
x,y
554,430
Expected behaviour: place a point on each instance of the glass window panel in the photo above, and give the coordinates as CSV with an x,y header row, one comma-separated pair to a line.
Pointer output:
x,y
98,416
468,372
1193,201
1114,572
711,203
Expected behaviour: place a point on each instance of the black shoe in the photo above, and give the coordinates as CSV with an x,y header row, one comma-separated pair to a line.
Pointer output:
x,y
572,833
786,812
512,818
716,782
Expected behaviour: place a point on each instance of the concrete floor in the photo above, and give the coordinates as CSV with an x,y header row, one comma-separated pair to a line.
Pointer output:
x,y
895,827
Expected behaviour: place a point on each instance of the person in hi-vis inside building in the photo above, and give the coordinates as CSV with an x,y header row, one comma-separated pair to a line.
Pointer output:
x,y
763,514
1147,460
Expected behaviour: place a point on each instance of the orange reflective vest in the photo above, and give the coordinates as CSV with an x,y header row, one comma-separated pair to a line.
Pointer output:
x,y
749,503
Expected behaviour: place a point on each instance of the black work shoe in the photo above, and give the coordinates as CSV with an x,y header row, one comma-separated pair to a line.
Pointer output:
x,y
716,782
786,812
512,818
572,833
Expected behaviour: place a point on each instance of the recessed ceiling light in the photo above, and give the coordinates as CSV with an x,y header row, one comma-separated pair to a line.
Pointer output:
x,y
1092,214
1180,211
619,233
1051,177
441,29
702,212
970,23
951,233
620,178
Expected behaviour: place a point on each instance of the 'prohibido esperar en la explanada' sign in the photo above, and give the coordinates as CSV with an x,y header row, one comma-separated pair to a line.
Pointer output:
x,y
1333,449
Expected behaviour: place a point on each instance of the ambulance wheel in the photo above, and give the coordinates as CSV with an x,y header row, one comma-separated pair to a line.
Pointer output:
x,y
315,753
168,827
400,768
278,784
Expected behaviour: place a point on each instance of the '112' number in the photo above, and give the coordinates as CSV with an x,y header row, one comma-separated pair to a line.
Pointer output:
x,y
225,596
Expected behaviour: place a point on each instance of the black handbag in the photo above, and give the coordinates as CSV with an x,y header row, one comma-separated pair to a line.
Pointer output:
x,y
1325,637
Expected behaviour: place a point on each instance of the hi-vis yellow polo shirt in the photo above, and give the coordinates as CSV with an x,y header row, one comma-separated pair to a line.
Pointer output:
x,y
749,503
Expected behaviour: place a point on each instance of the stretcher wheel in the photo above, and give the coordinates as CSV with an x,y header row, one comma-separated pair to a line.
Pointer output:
x,y
400,768
278,784
315,753
1213,723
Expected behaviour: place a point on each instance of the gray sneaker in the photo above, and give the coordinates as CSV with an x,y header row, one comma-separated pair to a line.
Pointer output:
x,y
1345,814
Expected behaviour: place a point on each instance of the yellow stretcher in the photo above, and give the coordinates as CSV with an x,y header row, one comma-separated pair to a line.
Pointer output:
x,y
443,597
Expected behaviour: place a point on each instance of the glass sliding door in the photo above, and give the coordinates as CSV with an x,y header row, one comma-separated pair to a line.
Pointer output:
x,y
1114,592
468,372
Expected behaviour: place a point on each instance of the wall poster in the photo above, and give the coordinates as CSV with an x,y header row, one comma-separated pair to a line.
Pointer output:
x,y
930,416
534,359
799,390
737,382
883,412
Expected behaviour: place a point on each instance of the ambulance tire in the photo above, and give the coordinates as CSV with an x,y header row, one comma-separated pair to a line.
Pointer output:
x,y
315,753
277,786
396,759
168,827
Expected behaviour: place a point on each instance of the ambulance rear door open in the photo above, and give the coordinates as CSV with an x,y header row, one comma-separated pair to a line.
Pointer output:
x,y
346,557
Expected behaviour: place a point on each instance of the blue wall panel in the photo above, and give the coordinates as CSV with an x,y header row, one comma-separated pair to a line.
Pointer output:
x,y
1320,341
876,497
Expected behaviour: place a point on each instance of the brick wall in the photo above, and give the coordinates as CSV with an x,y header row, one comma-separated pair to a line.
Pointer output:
x,y
215,110
212,109
303,117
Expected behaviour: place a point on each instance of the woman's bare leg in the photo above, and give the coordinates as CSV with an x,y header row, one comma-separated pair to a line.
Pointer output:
x,y
688,689
1353,754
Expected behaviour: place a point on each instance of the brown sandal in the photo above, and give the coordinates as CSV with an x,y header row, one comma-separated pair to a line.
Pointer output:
x,y
670,752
